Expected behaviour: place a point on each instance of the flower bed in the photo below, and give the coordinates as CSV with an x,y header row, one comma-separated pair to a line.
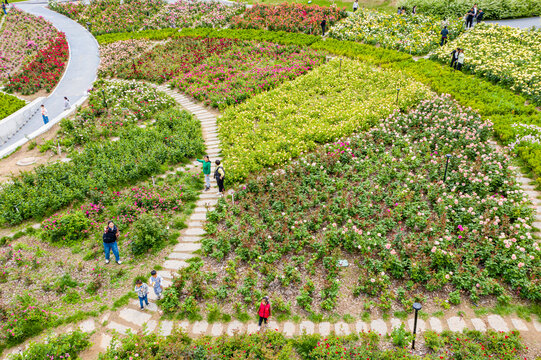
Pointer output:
x,y
190,13
492,9
109,16
275,345
414,34
291,17
334,100
44,71
65,346
9,104
120,52
378,200
138,154
114,108
22,36
508,56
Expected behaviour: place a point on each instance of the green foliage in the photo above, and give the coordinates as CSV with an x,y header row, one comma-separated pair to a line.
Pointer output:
x,y
67,229
400,337
9,104
56,347
433,340
148,234
454,297
170,300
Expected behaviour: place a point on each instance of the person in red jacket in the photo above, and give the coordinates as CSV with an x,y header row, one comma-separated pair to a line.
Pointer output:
x,y
264,311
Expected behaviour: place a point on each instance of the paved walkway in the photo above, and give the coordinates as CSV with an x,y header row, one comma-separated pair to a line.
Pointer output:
x,y
80,72
523,23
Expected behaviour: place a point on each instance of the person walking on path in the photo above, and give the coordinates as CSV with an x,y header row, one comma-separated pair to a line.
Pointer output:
x,y
219,174
460,60
44,114
264,311
142,292
67,104
110,236
355,5
4,8
454,57
206,170
414,10
156,283
323,24
469,18
479,16
444,35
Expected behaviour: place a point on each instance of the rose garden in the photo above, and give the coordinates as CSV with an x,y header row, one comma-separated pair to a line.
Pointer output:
x,y
364,177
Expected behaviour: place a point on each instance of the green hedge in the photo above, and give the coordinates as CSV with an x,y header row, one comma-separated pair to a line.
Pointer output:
x,y
138,154
9,104
65,346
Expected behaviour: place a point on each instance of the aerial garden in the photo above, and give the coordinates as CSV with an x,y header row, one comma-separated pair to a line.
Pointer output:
x,y
364,178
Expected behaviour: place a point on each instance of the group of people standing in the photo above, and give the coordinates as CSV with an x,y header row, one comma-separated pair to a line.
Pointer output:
x,y
457,58
219,173
474,14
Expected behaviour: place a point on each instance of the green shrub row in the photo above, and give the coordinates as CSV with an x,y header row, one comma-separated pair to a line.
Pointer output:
x,y
65,346
9,104
138,154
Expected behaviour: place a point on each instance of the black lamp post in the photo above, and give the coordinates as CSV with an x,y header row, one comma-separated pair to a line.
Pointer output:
x,y
397,92
448,156
88,25
416,307
9,77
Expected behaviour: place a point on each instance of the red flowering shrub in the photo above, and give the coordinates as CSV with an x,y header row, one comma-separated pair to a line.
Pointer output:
x,y
44,71
288,17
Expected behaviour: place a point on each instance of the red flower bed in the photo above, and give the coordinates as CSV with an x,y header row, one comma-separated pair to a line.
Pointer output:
x,y
44,71
288,17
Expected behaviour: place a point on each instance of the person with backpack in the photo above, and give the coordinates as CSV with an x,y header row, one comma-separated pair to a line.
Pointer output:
x,y
219,174
264,311
444,35
323,24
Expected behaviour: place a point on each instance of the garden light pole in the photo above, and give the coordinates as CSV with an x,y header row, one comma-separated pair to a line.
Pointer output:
x,y
448,156
88,26
103,95
397,92
416,307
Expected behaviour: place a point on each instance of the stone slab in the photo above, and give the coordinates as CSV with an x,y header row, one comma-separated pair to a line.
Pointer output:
x,y
195,224
307,326
184,324
435,324
151,326
122,329
150,307
187,247
289,329
361,326
200,327
497,323
180,256
395,323
194,231
175,264
190,239
252,328
200,210
456,323
342,329
207,195
136,317
164,274
519,324
217,329
88,325
166,327
325,328
105,317
105,341
537,325
478,324
379,326
234,327
273,325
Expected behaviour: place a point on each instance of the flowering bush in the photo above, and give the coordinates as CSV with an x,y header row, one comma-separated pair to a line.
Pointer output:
x,y
44,71
191,13
334,100
492,9
21,37
113,108
64,346
21,322
291,17
120,52
472,345
9,104
67,229
414,34
109,16
378,200
508,56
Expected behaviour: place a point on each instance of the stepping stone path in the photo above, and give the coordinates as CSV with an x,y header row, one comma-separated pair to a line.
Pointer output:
x,y
131,318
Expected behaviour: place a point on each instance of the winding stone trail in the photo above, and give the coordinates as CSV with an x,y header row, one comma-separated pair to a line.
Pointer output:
x,y
80,73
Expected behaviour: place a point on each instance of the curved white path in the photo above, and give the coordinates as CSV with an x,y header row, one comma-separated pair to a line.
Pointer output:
x,y
79,76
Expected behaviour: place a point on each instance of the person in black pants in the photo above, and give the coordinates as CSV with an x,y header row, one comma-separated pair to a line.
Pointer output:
x,y
469,18
480,16
454,57
444,34
323,23
219,174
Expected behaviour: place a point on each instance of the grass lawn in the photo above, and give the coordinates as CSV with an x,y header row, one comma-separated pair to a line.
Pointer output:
x,y
382,5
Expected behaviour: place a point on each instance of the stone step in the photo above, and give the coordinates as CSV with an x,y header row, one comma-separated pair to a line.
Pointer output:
x,y
206,202
165,274
198,216
166,327
186,247
195,224
190,239
200,327
121,329
136,317
194,231
180,256
174,264
208,195
152,307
